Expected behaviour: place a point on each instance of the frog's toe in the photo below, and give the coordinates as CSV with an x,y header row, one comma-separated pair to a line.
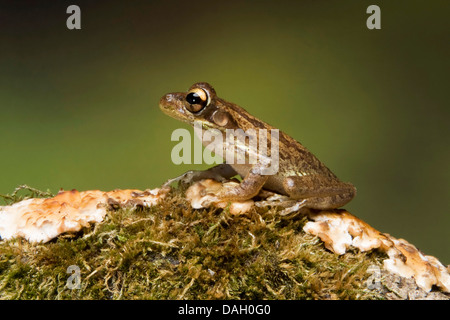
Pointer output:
x,y
296,207
187,178
167,184
275,200
289,206
209,201
184,180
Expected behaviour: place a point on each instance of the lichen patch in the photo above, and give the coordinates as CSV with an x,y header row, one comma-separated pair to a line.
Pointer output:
x,y
43,219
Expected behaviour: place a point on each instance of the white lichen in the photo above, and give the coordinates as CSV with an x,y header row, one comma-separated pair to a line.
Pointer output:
x,y
340,230
40,220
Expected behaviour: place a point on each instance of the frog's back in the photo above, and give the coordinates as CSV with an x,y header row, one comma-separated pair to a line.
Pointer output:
x,y
296,160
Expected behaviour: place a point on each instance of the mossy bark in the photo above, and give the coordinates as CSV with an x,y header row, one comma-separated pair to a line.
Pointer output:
x,y
171,251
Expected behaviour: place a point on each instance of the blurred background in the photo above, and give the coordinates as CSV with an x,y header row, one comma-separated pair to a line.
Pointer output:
x,y
79,108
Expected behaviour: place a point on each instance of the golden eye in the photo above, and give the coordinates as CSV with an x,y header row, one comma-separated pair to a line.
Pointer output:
x,y
197,99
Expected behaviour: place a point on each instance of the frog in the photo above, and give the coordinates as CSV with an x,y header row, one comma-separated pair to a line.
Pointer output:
x,y
301,179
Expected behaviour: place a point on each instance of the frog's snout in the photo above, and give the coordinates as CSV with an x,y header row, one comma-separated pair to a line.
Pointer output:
x,y
164,100
172,104
167,102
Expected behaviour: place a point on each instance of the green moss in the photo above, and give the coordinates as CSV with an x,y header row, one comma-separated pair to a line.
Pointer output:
x,y
29,193
174,252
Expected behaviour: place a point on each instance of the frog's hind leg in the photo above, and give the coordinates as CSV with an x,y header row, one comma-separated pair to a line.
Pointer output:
x,y
319,192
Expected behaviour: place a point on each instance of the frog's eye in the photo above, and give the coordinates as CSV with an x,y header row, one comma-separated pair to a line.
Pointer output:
x,y
197,99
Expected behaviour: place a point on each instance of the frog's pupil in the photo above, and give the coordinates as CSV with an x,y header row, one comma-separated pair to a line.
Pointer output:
x,y
193,98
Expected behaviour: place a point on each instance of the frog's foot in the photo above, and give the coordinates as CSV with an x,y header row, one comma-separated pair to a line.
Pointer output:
x,y
190,177
287,203
275,200
296,207
184,179
209,200
266,194
170,181
220,173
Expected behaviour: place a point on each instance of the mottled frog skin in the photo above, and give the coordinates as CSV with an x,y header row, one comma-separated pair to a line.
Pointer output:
x,y
301,176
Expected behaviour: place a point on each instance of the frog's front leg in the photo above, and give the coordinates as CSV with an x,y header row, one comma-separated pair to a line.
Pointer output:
x,y
219,173
249,187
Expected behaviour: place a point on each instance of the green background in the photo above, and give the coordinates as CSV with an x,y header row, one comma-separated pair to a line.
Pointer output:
x,y
79,108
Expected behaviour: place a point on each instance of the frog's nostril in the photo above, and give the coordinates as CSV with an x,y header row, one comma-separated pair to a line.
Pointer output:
x,y
172,102
169,97
165,100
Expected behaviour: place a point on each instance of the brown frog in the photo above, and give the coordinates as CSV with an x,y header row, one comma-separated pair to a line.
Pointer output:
x,y
302,178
